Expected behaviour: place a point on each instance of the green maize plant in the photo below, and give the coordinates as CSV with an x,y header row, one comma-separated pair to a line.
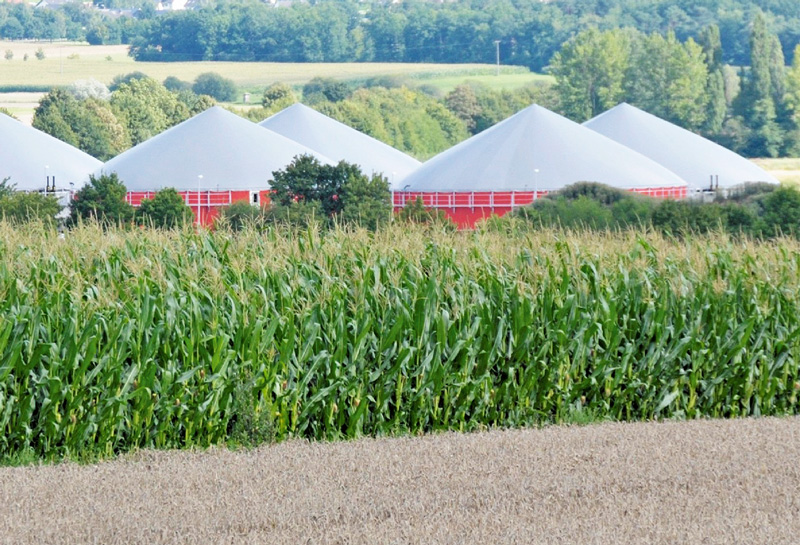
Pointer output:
x,y
114,340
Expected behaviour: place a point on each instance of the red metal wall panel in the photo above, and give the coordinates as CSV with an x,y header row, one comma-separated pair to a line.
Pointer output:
x,y
208,202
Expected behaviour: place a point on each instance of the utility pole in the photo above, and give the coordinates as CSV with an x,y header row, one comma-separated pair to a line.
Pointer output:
x,y
497,48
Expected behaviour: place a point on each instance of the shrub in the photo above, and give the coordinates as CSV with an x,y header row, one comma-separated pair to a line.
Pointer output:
x,y
126,78
297,214
102,200
23,206
241,215
166,210
340,191
175,84
415,212
780,212
681,218
321,89
215,86
40,54
277,97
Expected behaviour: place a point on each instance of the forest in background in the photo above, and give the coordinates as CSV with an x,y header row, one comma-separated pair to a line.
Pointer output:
x,y
530,33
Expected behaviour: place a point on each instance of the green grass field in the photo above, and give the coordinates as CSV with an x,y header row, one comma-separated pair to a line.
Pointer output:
x,y
65,63
488,78
787,170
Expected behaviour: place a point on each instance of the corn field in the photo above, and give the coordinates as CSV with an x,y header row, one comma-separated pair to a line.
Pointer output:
x,y
115,340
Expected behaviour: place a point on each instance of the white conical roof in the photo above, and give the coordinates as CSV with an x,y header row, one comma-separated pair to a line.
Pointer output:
x,y
685,153
28,156
536,149
229,152
340,142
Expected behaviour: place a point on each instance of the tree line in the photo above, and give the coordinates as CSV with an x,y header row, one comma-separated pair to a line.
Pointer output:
x,y
754,110
530,33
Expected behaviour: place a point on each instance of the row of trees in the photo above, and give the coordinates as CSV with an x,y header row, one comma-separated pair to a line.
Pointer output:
x,y
465,31
103,123
753,111
351,30
305,191
71,21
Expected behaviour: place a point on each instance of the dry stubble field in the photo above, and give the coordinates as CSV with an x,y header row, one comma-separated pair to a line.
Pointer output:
x,y
734,481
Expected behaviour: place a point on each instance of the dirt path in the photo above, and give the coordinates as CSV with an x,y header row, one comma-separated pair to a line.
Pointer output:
x,y
695,482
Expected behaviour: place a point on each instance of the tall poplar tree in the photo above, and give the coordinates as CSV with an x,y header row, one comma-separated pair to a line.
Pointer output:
x,y
716,104
756,101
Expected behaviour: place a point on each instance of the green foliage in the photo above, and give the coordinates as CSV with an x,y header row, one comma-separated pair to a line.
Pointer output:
x,y
590,72
587,205
196,103
405,119
137,339
325,89
367,201
101,200
780,212
216,86
19,207
686,217
669,79
166,210
306,179
414,211
463,102
40,54
298,214
241,215
174,84
309,190
755,210
6,111
124,79
762,93
277,97
146,108
90,124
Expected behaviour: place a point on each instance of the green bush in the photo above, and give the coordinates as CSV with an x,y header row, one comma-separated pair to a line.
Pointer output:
x,y
780,213
338,192
297,214
19,207
176,85
167,210
101,200
216,86
325,89
241,215
415,211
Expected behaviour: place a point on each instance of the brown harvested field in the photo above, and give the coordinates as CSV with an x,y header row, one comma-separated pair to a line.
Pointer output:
x,y
691,482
